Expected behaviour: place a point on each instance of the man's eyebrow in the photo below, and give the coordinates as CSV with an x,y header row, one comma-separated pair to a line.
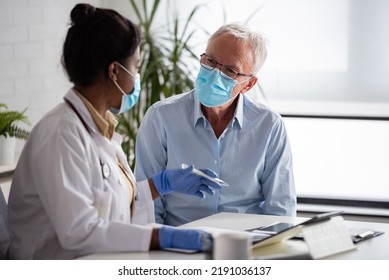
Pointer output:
x,y
225,65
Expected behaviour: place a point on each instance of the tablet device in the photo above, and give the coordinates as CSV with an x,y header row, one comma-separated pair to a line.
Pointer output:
x,y
273,228
293,230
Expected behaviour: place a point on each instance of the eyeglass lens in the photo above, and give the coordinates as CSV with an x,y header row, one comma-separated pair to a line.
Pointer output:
x,y
212,64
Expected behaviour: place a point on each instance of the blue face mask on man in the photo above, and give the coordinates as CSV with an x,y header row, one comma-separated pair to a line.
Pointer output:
x,y
213,88
128,99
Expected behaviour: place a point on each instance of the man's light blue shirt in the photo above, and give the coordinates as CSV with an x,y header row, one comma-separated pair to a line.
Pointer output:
x,y
252,155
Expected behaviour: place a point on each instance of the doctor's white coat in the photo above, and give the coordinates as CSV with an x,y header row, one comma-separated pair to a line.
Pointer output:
x,y
61,206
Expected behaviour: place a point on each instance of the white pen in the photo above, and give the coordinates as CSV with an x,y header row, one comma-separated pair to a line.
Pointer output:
x,y
202,174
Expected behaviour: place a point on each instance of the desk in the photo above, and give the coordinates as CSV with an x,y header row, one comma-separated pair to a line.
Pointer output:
x,y
372,249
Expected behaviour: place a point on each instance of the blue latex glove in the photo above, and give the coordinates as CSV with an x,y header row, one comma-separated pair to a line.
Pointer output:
x,y
190,239
184,181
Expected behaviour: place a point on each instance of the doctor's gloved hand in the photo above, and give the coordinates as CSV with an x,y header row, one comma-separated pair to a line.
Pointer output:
x,y
190,239
184,181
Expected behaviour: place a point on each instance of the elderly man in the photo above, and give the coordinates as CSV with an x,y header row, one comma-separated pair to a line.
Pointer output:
x,y
217,126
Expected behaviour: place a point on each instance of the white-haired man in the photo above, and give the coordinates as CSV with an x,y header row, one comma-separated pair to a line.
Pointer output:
x,y
217,126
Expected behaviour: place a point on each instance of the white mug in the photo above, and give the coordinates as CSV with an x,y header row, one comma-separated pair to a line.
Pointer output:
x,y
232,246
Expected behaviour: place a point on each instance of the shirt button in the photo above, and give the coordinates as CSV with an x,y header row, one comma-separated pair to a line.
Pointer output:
x,y
120,181
215,161
123,217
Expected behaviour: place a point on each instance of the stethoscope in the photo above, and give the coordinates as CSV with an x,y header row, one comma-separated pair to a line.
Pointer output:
x,y
105,169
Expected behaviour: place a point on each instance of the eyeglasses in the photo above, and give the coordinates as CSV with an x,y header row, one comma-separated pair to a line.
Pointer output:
x,y
210,63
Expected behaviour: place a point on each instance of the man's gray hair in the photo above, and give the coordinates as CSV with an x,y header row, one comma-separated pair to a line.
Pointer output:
x,y
243,33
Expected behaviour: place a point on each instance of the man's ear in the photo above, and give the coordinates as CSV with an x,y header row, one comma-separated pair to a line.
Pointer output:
x,y
249,84
113,70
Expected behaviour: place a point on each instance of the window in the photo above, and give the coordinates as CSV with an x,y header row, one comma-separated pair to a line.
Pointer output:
x,y
340,158
326,50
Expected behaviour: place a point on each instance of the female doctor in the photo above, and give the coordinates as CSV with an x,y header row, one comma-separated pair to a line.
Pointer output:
x,y
73,192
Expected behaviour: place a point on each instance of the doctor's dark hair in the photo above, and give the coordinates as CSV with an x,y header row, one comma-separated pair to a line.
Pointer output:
x,y
96,38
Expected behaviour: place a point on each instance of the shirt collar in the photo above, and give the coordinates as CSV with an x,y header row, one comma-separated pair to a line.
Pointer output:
x,y
198,114
105,125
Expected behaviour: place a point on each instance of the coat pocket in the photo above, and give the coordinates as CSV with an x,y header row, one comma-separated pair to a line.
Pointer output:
x,y
103,201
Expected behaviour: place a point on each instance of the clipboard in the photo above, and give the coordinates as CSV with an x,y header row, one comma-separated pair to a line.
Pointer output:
x,y
294,230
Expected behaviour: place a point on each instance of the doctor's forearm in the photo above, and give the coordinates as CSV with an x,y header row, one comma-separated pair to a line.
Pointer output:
x,y
154,192
154,243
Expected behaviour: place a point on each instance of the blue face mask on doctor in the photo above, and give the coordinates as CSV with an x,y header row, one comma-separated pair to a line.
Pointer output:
x,y
128,99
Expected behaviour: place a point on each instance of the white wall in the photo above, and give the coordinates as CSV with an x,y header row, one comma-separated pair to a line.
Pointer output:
x,y
31,38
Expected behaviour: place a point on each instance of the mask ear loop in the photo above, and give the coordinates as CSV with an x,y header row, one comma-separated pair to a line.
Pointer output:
x,y
128,72
113,77
241,82
117,85
244,82
125,69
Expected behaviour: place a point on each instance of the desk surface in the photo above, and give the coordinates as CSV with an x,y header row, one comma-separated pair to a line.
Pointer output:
x,y
372,249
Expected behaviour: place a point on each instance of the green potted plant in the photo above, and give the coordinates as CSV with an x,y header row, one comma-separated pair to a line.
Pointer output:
x,y
166,64
10,131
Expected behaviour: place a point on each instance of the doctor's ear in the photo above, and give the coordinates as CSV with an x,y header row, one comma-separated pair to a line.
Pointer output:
x,y
113,70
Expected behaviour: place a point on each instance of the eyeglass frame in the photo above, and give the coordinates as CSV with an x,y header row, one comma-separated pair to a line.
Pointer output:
x,y
232,70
